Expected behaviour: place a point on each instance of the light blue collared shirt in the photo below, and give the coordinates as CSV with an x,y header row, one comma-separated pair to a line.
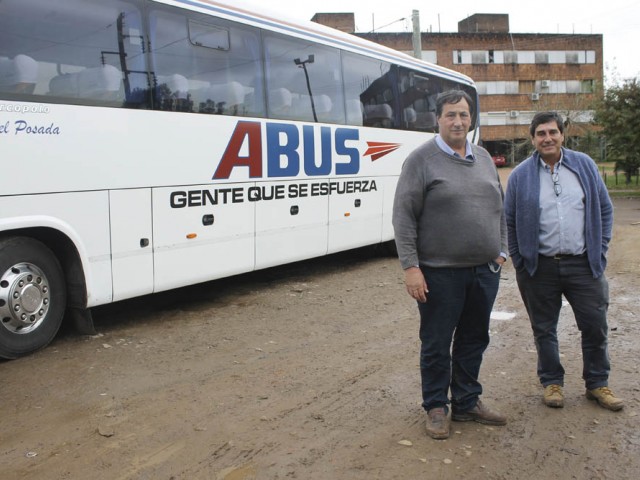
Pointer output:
x,y
447,149
561,212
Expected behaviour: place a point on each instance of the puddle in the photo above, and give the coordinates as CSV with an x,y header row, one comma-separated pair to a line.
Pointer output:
x,y
502,315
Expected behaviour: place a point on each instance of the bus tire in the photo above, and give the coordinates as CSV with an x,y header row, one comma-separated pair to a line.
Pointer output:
x,y
33,296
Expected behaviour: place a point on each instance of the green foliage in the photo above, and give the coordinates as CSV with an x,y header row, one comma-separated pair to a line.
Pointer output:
x,y
589,143
618,114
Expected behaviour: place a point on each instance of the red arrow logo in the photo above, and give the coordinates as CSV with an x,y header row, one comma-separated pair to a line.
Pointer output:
x,y
379,149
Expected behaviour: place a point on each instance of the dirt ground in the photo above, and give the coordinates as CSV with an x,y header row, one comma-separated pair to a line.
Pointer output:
x,y
310,371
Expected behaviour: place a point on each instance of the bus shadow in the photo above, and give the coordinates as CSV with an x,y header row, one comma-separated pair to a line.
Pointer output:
x,y
220,292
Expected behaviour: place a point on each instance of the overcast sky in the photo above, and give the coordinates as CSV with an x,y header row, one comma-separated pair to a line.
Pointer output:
x,y
617,20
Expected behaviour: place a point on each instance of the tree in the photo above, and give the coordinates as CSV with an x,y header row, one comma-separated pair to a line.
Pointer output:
x,y
618,115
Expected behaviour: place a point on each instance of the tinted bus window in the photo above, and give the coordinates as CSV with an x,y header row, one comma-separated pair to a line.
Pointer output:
x,y
417,92
205,65
82,52
303,80
369,91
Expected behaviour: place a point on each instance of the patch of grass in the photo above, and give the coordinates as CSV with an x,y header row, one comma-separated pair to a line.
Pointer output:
x,y
616,183
624,193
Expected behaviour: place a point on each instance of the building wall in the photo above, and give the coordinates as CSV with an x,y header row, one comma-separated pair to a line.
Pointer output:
x,y
505,117
344,22
570,88
484,22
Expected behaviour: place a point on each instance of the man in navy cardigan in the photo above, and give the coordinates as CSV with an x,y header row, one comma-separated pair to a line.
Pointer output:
x,y
559,221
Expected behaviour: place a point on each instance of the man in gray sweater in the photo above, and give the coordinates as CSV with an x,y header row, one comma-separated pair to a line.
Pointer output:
x,y
451,237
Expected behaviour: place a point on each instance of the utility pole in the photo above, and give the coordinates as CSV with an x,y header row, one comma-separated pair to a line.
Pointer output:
x,y
417,36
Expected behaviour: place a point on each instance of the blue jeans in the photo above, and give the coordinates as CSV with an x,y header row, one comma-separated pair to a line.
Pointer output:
x,y
458,310
589,300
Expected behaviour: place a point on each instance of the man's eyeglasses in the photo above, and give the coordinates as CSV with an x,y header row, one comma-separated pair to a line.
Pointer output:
x,y
556,185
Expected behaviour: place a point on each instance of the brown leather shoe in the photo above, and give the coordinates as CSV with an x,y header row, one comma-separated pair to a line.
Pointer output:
x,y
605,397
480,414
437,424
553,396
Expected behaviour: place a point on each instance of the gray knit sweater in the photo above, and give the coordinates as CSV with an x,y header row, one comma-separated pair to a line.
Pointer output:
x,y
448,212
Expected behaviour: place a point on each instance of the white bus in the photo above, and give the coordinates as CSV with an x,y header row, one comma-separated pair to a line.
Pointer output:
x,y
148,145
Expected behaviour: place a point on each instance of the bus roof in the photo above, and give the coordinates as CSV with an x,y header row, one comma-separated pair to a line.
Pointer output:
x,y
259,16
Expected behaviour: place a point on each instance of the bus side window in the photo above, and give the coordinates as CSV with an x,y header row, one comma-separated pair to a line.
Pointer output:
x,y
355,111
280,102
417,98
222,98
97,83
18,74
172,93
310,72
378,115
218,59
368,88
87,50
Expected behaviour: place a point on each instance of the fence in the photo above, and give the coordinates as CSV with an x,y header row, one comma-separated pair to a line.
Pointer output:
x,y
617,179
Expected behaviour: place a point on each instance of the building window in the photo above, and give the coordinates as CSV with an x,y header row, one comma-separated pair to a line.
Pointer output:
x,y
573,86
497,88
526,56
510,57
430,56
542,57
588,86
479,57
573,58
511,88
557,56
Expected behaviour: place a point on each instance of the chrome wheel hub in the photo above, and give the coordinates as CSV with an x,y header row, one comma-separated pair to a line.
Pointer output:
x,y
24,298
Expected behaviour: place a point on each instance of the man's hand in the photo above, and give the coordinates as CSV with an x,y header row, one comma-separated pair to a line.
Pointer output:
x,y
416,284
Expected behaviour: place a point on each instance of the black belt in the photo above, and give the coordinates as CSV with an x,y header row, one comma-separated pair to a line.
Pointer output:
x,y
560,256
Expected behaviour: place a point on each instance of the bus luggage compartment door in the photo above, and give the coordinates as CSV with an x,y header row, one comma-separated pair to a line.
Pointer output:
x,y
291,221
201,233
131,242
355,213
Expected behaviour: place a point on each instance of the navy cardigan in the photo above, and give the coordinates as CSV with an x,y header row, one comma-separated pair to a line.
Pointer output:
x,y
523,213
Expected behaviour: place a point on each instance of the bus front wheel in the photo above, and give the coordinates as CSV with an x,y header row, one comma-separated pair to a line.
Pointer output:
x,y
32,296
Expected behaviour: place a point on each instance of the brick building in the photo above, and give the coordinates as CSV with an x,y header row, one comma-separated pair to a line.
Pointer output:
x,y
516,74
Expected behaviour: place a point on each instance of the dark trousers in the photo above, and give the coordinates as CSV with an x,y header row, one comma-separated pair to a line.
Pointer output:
x,y
457,311
589,299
